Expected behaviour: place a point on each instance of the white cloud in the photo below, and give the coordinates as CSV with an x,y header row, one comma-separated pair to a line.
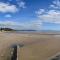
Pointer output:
x,y
8,16
52,15
34,25
21,4
55,4
6,7
7,23
11,8
41,11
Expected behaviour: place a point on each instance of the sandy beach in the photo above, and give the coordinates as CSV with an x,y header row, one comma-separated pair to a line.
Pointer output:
x,y
36,46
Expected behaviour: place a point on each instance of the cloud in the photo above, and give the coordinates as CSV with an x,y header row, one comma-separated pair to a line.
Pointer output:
x,y
50,15
11,24
21,4
7,23
41,11
6,7
11,8
8,16
55,4
33,25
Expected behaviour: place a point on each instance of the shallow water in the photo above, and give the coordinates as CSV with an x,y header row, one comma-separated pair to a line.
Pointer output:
x,y
56,35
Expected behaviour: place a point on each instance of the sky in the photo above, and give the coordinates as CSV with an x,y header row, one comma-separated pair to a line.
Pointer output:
x,y
30,14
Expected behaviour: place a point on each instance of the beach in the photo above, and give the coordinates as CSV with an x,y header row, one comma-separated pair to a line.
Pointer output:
x,y
35,46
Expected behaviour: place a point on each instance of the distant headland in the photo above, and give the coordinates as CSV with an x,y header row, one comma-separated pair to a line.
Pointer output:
x,y
6,29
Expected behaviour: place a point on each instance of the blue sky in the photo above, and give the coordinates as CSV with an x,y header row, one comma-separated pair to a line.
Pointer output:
x,y
30,14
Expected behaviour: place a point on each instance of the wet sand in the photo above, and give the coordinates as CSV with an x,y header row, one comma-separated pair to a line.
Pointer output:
x,y
36,46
